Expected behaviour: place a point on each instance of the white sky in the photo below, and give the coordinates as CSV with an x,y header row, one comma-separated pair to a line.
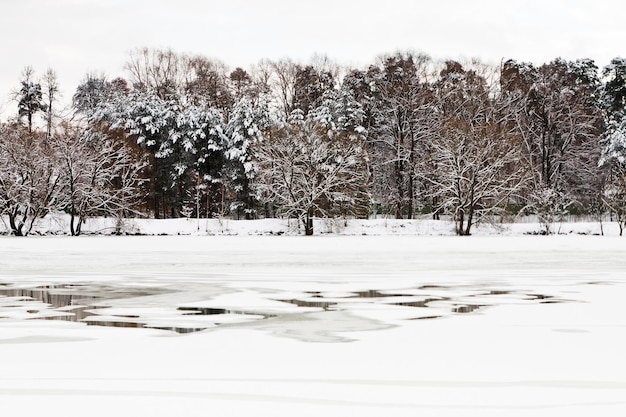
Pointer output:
x,y
74,37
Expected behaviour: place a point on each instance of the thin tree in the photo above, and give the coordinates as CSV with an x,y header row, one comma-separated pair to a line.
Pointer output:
x,y
50,95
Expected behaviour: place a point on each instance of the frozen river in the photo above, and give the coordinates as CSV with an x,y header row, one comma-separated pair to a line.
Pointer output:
x,y
293,325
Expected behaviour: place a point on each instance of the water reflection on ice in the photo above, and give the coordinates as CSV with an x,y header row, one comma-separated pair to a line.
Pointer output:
x,y
162,307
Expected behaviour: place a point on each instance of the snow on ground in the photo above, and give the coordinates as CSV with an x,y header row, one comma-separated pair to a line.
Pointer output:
x,y
58,223
324,325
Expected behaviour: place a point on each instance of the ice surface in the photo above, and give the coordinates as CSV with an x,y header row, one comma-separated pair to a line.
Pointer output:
x,y
367,355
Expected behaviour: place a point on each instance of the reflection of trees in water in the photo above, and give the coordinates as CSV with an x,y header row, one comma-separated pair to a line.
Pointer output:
x,y
44,295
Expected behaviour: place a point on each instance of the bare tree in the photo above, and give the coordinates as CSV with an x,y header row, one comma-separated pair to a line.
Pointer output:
x,y
29,178
261,74
559,120
474,165
402,126
207,83
99,176
478,169
310,171
51,96
155,69
284,84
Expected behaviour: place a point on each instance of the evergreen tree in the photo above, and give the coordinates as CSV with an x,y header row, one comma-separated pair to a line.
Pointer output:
x,y
614,90
92,91
29,98
310,85
245,129
186,143
614,154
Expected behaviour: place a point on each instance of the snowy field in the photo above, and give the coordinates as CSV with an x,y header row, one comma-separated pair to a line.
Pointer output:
x,y
325,325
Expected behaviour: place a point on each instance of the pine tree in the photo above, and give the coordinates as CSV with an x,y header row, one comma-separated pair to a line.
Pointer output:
x,y
614,90
29,98
245,129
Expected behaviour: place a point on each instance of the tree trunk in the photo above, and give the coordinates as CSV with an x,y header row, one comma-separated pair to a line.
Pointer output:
x,y
470,219
399,175
49,120
410,190
460,219
156,207
72,219
436,215
16,230
79,226
248,203
398,210
308,224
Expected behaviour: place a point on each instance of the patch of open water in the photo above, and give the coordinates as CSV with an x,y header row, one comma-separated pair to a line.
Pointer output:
x,y
95,304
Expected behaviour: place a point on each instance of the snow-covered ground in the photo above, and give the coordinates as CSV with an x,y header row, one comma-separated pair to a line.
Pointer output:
x,y
58,224
330,325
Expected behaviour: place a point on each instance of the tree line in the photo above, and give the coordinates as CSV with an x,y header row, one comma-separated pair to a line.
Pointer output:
x,y
185,136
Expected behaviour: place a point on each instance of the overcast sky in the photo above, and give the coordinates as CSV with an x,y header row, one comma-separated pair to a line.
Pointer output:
x,y
74,37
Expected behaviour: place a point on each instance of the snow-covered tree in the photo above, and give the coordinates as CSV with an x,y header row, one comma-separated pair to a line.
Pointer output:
x,y
477,172
613,159
549,205
614,197
29,97
186,142
558,117
198,145
361,87
339,113
308,170
474,164
309,87
99,176
29,177
402,110
613,98
245,129
614,162
338,110
95,90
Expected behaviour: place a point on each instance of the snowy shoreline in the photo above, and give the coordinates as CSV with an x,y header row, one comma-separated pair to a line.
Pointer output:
x,y
59,225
